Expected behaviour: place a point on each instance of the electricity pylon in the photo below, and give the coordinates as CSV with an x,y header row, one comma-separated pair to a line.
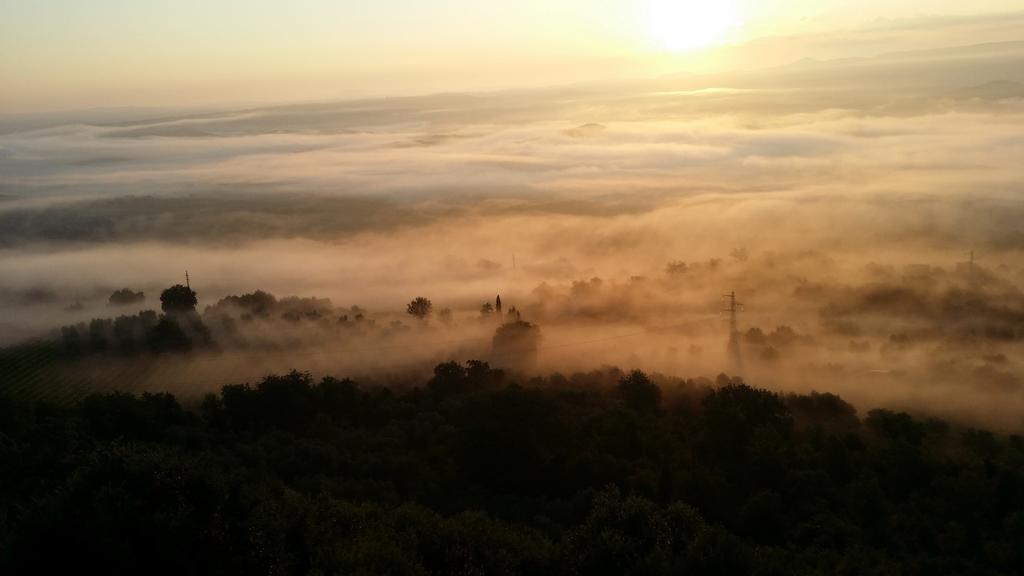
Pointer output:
x,y
735,357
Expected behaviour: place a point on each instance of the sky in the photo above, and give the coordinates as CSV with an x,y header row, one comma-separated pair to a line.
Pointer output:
x,y
69,54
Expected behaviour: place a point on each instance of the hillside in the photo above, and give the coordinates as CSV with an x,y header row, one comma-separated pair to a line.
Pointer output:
x,y
474,472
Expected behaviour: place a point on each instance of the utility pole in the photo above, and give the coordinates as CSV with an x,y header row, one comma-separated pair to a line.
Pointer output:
x,y
732,308
187,285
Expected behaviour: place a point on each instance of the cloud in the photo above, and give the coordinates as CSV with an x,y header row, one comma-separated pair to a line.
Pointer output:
x,y
375,202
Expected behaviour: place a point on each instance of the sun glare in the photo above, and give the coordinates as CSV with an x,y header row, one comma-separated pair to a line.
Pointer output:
x,y
690,25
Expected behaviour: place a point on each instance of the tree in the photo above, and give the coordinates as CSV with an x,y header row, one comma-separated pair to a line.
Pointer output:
x,y
71,338
516,343
167,336
178,299
98,331
639,393
676,268
446,315
449,378
258,303
125,297
420,308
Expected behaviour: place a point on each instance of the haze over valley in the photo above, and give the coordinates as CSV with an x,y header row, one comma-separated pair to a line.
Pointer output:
x,y
846,216
634,286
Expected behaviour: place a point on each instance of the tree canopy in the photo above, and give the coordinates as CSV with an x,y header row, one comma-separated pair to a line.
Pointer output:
x,y
473,470
126,297
178,299
420,307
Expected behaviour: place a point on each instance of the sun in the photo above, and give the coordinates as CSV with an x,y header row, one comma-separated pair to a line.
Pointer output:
x,y
692,25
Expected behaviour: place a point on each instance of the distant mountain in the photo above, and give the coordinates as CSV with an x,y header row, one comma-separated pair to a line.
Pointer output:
x,y
995,90
588,130
986,50
10,123
932,71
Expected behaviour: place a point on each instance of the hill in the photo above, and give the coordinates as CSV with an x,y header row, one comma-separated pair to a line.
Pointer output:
x,y
473,472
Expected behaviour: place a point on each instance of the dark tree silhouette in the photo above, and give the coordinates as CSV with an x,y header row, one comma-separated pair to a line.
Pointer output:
x,y
420,308
126,297
98,331
676,268
71,338
480,471
639,393
258,303
516,344
178,299
452,378
167,336
449,378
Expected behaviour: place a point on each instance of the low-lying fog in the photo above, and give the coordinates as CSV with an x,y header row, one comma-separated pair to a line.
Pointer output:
x,y
840,201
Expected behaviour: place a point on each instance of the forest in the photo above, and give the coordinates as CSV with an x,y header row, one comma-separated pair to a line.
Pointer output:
x,y
476,470
634,287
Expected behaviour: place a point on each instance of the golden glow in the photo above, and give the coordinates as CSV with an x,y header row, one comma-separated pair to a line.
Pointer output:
x,y
691,25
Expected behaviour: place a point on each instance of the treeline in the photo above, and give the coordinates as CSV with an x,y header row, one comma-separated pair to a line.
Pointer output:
x,y
177,329
131,334
182,328
252,320
472,472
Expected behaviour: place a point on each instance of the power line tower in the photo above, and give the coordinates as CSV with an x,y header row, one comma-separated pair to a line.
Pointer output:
x,y
187,284
972,269
733,307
